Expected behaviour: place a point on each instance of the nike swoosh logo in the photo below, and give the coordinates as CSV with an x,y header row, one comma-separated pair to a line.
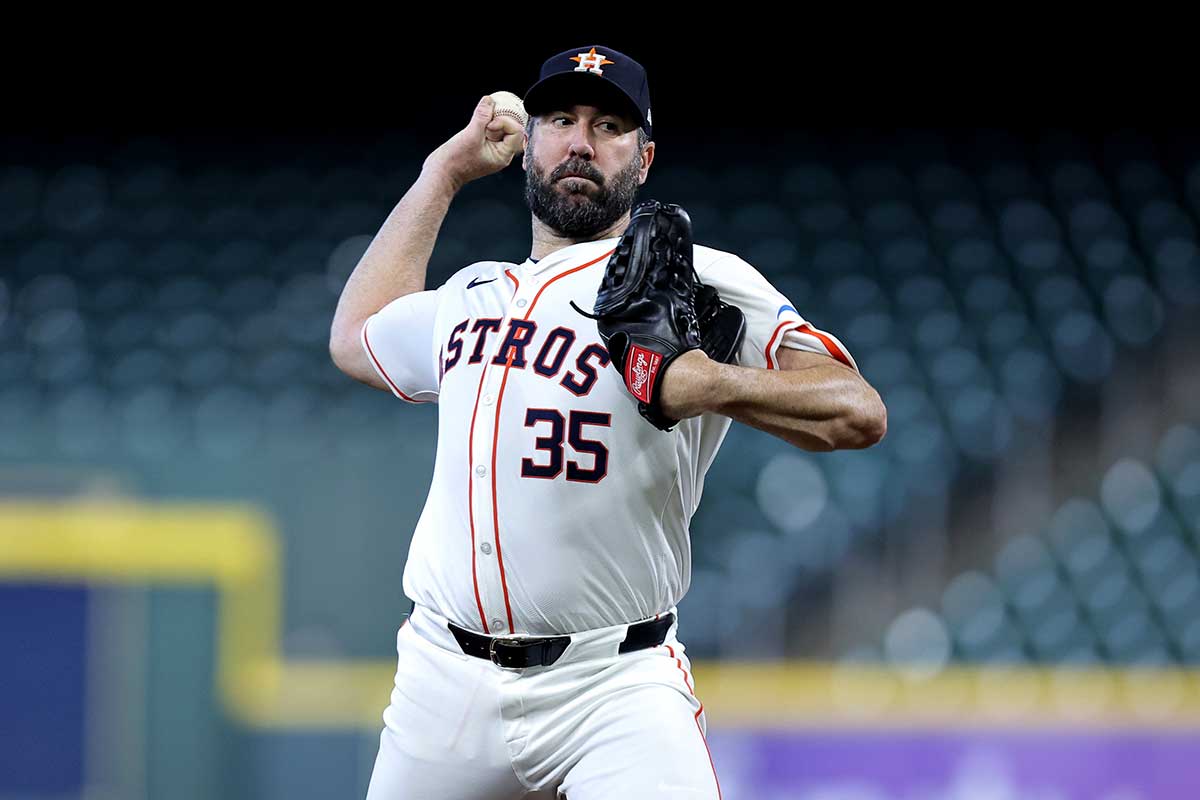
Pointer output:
x,y
476,282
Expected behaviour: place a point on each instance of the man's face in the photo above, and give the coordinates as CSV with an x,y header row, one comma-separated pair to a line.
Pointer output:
x,y
583,168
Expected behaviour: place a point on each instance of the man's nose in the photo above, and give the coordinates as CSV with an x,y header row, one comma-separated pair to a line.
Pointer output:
x,y
580,144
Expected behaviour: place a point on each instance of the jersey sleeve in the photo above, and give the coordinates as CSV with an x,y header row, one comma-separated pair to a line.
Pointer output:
x,y
771,319
399,341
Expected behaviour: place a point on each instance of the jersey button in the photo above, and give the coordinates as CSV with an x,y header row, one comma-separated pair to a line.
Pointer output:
x,y
522,303
481,470
486,549
497,625
488,399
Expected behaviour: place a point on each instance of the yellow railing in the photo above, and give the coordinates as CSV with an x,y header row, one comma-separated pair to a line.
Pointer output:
x,y
236,550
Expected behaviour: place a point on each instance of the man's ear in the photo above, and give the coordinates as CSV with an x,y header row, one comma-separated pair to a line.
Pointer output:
x,y
647,159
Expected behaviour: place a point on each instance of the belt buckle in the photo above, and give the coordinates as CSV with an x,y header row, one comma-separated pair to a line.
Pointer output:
x,y
492,652
513,640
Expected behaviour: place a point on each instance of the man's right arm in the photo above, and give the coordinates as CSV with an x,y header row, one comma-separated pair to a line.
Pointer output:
x,y
394,264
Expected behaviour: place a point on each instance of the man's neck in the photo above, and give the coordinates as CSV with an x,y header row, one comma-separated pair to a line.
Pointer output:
x,y
547,242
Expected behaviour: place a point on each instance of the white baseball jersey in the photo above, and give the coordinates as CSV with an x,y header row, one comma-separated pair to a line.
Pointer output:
x,y
555,507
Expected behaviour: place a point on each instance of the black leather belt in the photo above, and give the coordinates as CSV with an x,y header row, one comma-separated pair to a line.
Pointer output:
x,y
542,651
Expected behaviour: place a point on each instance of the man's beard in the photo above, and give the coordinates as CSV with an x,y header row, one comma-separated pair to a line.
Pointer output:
x,y
563,212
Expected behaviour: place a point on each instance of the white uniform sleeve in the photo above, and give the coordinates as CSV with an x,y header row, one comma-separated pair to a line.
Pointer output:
x,y
771,319
399,341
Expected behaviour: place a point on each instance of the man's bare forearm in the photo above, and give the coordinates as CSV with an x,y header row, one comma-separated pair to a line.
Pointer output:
x,y
395,263
827,407
396,260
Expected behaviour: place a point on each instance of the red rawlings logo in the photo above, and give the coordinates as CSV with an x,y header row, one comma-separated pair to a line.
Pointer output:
x,y
641,370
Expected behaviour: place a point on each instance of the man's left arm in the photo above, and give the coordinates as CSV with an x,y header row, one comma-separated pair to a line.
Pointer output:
x,y
791,379
813,402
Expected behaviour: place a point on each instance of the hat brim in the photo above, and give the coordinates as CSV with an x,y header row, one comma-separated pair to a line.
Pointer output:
x,y
559,92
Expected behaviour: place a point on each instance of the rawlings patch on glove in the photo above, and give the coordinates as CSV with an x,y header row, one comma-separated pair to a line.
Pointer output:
x,y
650,304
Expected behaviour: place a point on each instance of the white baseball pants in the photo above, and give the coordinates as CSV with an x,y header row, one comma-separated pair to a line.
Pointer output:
x,y
595,725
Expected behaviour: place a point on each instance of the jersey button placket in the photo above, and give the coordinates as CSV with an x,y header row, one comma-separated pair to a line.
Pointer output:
x,y
486,438
481,497
488,568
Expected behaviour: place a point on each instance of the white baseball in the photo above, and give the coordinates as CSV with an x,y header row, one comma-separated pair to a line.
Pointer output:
x,y
508,104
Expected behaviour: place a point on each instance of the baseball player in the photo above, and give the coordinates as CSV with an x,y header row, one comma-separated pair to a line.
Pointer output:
x,y
540,658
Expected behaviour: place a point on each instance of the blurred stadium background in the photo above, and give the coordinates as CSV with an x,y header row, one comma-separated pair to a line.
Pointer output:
x,y
203,523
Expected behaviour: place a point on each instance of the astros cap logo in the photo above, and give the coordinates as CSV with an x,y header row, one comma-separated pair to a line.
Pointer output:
x,y
591,61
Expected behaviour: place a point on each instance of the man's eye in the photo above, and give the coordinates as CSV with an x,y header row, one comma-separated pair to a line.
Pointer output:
x,y
560,119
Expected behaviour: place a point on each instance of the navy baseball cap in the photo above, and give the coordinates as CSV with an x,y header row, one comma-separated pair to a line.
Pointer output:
x,y
586,73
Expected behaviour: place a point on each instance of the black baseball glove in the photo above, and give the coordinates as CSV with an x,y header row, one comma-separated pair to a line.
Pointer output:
x,y
722,324
652,308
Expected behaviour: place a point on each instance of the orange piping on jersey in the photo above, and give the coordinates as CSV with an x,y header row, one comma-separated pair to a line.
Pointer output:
x,y
470,503
563,275
696,718
771,343
830,345
379,367
825,338
495,511
496,430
